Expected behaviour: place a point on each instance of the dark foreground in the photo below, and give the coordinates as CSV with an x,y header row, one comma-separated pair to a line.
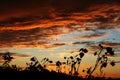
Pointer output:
x,y
6,74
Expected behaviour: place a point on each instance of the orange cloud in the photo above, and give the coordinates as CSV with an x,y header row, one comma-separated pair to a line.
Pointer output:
x,y
37,28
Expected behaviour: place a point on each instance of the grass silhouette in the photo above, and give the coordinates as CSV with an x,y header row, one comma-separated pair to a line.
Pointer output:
x,y
36,70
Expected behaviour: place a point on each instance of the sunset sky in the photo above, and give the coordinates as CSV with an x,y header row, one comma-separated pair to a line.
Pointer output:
x,y
58,28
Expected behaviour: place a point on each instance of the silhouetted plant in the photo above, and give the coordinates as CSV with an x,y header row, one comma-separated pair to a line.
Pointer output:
x,y
112,63
16,68
7,59
74,61
34,65
102,60
45,61
58,66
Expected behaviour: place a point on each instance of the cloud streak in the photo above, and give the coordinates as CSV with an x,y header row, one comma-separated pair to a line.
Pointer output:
x,y
15,54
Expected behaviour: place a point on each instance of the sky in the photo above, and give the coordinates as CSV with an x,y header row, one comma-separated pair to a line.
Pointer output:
x,y
58,28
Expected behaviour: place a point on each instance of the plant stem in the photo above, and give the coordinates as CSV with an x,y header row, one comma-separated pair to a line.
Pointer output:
x,y
78,66
97,61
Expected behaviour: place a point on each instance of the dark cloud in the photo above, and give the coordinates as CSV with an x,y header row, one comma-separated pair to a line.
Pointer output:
x,y
31,37
55,45
59,44
84,42
2,53
101,18
98,34
25,37
17,21
46,7
34,22
114,11
111,44
31,12
91,35
15,54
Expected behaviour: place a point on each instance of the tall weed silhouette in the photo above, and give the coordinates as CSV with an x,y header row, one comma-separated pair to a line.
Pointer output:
x,y
74,61
34,65
7,59
58,66
45,61
102,60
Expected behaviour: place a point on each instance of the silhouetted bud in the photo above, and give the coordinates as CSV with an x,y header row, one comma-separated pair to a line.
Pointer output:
x,y
64,57
100,46
58,63
47,59
103,56
81,49
78,59
95,53
71,57
105,53
104,64
108,49
83,70
112,63
11,57
111,52
50,61
33,59
85,50
81,55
